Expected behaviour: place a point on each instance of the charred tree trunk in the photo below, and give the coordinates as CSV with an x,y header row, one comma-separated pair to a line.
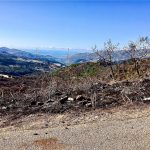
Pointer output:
x,y
112,71
136,65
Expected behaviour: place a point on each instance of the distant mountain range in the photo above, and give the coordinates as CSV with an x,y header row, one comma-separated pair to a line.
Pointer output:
x,y
77,55
74,56
57,52
92,57
17,62
118,56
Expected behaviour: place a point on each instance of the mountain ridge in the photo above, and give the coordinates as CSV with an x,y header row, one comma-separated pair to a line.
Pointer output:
x,y
17,62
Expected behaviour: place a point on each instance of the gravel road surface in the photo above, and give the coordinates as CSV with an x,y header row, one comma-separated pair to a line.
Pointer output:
x,y
119,134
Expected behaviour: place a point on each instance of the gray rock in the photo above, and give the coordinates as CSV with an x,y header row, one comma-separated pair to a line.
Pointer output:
x,y
63,99
88,105
4,108
82,103
40,103
80,97
58,93
50,101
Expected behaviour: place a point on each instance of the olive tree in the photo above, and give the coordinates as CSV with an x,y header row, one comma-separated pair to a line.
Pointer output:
x,y
106,54
137,51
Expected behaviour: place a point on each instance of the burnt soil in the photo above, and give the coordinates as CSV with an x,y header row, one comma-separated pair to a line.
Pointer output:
x,y
30,95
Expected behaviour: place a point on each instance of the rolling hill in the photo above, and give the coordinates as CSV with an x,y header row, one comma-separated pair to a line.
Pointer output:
x,y
17,62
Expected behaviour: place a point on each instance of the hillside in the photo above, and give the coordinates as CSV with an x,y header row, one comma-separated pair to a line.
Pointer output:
x,y
80,87
123,70
119,55
16,62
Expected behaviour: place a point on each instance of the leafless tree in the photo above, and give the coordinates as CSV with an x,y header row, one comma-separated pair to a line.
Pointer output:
x,y
105,55
137,51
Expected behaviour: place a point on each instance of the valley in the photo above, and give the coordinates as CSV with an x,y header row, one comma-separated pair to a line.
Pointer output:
x,y
17,63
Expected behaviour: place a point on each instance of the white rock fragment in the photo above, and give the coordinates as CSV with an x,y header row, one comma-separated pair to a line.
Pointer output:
x,y
4,108
146,99
70,99
96,117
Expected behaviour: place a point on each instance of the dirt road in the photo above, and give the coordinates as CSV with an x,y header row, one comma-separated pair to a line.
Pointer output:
x,y
129,133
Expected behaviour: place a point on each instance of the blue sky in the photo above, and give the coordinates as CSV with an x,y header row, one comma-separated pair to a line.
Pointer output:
x,y
73,24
